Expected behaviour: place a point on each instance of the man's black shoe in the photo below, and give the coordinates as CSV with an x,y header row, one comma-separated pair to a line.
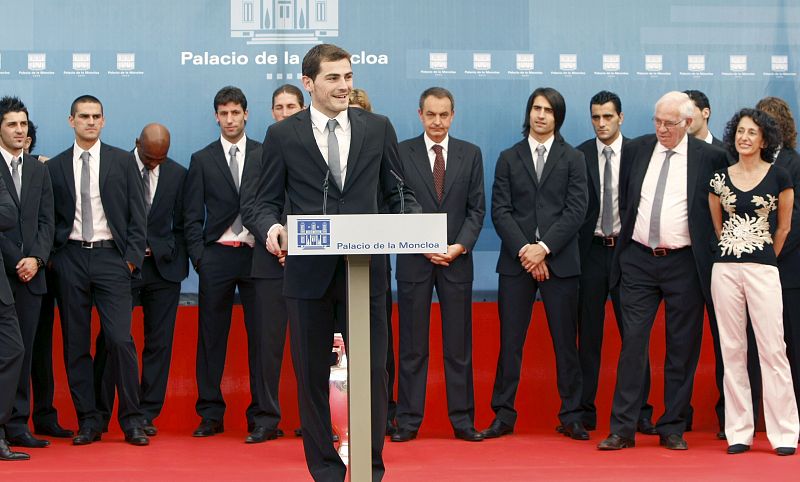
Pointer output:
x,y
27,440
404,435
616,442
261,434
8,455
149,429
86,436
497,429
208,427
674,441
53,430
136,436
576,431
738,449
468,434
645,426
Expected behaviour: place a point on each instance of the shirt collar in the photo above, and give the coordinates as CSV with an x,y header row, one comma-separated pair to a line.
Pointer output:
x,y
320,120
141,166
709,138
94,151
616,146
682,147
226,146
534,144
7,156
429,143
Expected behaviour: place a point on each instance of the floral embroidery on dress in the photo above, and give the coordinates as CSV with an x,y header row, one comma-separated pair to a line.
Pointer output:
x,y
726,197
744,234
765,205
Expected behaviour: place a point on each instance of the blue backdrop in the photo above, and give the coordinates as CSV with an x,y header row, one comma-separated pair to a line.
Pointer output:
x,y
162,61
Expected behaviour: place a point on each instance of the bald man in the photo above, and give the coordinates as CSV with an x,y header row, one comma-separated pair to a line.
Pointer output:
x,y
165,265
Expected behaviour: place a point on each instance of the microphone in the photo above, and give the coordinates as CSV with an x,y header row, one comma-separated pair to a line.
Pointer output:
x,y
400,185
325,193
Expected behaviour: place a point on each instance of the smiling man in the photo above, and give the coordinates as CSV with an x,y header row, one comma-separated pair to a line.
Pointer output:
x,y
348,153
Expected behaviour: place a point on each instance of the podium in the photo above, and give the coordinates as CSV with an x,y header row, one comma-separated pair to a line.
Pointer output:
x,y
358,236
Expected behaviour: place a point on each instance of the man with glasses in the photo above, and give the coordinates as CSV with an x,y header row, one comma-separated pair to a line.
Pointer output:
x,y
664,252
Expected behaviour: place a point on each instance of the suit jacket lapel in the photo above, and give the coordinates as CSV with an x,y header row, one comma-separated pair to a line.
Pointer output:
x,y
9,181
524,153
694,158
164,173
593,168
639,171
67,166
305,133
27,175
221,161
556,151
421,162
105,166
358,127
455,164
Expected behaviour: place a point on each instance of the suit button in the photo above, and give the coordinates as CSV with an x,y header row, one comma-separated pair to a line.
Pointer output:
x,y
341,201
19,245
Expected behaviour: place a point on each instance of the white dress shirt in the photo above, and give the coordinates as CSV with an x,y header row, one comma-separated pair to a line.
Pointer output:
x,y
709,138
99,222
7,156
228,235
429,149
152,175
616,148
674,211
319,123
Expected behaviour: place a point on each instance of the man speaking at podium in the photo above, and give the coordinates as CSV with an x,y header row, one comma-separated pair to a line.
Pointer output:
x,y
328,154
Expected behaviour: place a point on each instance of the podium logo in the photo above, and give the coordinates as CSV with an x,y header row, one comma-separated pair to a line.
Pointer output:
x,y
37,61
282,22
780,63
696,63
653,63
314,234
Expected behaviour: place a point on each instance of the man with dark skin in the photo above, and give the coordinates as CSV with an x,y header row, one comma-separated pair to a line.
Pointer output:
x,y
165,266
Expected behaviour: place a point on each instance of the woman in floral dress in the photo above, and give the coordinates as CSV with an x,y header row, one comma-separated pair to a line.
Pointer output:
x,y
751,208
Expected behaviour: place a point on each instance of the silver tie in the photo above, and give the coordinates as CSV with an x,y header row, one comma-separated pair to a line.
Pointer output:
x,y
658,200
146,185
87,227
236,227
607,223
540,161
333,153
15,175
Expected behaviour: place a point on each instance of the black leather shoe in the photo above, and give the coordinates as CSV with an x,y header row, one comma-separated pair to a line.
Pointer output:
x,y
404,435
7,454
86,436
645,426
674,441
738,449
136,436
298,432
721,435
468,434
27,440
208,427
261,434
149,429
616,442
497,429
576,431
53,430
785,450
390,429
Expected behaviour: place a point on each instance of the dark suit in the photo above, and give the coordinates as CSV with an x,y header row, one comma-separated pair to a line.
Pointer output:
x,y
212,203
682,279
315,285
464,203
158,292
789,268
100,276
31,237
555,205
12,351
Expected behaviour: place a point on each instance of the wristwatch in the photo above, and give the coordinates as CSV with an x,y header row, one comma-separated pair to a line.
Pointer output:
x,y
39,262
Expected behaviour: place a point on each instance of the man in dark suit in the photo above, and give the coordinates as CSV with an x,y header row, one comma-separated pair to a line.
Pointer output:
x,y
224,253
99,245
26,249
539,200
343,155
447,176
789,259
13,127
699,129
159,289
665,251
598,238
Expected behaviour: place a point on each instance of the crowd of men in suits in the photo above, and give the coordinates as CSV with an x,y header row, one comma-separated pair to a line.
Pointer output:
x,y
105,227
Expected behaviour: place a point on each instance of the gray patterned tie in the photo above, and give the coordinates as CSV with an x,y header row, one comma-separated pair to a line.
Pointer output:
x,y
15,175
236,227
147,194
607,223
87,228
333,153
540,161
658,200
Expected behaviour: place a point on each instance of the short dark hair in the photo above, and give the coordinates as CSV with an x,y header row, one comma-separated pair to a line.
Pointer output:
x,y
230,93
700,99
604,97
288,89
769,131
780,112
84,99
11,104
439,93
32,135
556,101
322,53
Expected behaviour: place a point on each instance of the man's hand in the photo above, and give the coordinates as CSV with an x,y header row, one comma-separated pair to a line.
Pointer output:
x,y
540,272
131,266
282,259
274,240
453,252
531,255
27,269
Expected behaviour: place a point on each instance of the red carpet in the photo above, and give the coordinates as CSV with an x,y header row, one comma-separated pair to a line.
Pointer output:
x,y
534,452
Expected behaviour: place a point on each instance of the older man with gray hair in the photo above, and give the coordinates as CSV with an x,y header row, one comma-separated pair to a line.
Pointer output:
x,y
665,253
